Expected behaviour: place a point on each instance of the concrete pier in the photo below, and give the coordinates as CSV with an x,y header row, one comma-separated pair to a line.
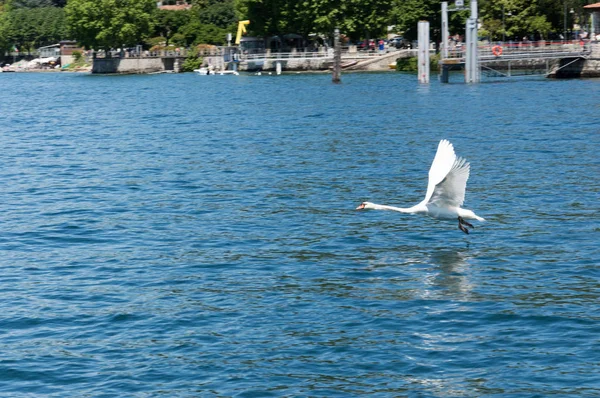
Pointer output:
x,y
582,67
555,60
134,65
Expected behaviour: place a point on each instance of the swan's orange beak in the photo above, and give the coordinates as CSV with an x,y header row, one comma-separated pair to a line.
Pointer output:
x,y
361,206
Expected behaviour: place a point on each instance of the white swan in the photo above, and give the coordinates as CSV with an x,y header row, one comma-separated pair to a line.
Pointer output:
x,y
448,177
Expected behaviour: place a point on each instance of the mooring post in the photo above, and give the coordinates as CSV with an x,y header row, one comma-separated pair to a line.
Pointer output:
x,y
423,58
444,74
337,57
444,29
472,72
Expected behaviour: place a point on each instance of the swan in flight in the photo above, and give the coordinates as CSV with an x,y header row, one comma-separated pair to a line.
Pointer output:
x,y
448,177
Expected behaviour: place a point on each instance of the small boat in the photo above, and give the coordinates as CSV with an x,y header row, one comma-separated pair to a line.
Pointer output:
x,y
7,68
202,71
206,71
227,72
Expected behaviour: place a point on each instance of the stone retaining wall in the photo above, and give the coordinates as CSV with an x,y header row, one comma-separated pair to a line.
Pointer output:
x,y
135,65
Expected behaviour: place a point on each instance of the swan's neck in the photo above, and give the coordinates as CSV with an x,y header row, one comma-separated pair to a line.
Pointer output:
x,y
413,209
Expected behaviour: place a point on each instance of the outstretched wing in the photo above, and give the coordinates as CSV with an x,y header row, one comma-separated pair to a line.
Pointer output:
x,y
451,191
442,164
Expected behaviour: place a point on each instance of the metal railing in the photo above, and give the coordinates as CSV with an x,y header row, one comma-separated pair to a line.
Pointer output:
x,y
505,51
268,55
182,52
143,54
347,52
350,52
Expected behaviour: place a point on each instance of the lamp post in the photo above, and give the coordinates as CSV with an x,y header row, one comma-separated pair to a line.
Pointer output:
x,y
573,21
503,29
565,21
503,25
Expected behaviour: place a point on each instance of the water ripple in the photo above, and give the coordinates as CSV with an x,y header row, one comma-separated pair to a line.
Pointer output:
x,y
203,242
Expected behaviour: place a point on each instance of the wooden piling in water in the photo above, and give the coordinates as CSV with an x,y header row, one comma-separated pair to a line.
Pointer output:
x,y
337,57
423,58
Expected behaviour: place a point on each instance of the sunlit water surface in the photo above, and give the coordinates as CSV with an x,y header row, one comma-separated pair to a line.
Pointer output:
x,y
184,235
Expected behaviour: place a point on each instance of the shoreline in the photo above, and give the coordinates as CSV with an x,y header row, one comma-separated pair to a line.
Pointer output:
x,y
47,70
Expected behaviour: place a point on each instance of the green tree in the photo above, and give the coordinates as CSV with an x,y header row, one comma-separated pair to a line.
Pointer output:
x,y
219,13
192,62
534,19
21,29
13,4
209,23
407,14
355,18
29,28
52,26
168,23
105,24
540,26
522,18
198,33
4,42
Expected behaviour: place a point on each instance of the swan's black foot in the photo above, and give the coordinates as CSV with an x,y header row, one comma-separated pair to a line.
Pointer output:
x,y
461,225
463,222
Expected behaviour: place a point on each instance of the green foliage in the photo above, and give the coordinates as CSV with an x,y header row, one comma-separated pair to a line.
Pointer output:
x,y
369,18
198,33
536,19
407,64
4,42
193,61
35,3
29,28
162,47
219,13
156,41
105,24
407,13
434,62
167,22
78,62
208,22
411,64
178,39
355,18
538,24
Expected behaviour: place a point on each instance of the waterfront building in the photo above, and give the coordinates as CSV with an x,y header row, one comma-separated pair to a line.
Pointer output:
x,y
178,6
594,10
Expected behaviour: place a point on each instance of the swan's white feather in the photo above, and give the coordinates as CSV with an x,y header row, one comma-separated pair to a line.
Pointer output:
x,y
450,192
440,167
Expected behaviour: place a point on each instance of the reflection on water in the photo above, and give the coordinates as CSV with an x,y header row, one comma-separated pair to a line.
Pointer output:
x,y
453,271
416,274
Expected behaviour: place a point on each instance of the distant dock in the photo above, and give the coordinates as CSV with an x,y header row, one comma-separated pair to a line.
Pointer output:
x,y
553,59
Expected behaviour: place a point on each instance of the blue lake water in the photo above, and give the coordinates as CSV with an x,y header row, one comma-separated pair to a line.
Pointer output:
x,y
184,235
